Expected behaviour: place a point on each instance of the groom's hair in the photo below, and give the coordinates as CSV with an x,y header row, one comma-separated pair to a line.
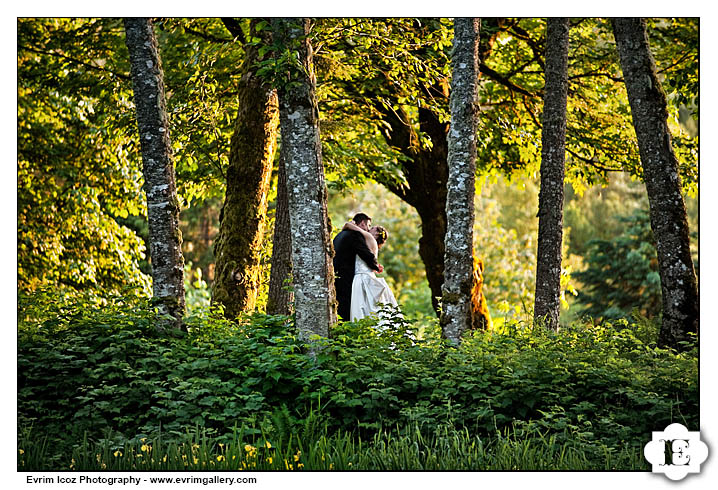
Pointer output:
x,y
360,217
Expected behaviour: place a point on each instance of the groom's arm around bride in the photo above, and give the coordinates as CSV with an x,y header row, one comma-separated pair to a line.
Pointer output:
x,y
347,245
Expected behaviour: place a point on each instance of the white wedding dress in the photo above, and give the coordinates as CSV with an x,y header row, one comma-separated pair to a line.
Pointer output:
x,y
368,292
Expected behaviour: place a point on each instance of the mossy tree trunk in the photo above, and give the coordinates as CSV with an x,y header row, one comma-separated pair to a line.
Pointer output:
x,y
457,311
547,304
242,219
315,297
679,286
165,238
280,296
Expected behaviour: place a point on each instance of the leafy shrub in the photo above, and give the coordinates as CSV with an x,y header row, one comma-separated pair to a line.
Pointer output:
x,y
99,371
622,274
621,278
197,293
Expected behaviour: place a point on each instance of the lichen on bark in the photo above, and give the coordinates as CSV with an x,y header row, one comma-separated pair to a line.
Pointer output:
x,y
312,251
457,311
165,237
281,298
669,223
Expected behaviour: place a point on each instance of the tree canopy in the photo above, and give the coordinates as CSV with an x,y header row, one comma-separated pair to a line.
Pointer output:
x,y
81,210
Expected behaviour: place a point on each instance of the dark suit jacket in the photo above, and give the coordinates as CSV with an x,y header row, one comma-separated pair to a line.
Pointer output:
x,y
347,245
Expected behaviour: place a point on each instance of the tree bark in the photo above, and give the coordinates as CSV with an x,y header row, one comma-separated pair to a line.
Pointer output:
x,y
315,297
679,287
165,237
280,298
547,305
457,311
242,219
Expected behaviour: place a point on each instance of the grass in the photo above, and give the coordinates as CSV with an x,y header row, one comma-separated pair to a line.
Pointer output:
x,y
444,449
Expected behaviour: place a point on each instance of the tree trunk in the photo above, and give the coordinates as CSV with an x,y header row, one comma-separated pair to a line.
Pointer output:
x,y
242,219
158,170
205,226
315,297
547,305
660,169
280,298
427,175
457,311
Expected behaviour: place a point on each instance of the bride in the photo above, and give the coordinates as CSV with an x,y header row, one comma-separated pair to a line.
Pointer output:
x,y
368,291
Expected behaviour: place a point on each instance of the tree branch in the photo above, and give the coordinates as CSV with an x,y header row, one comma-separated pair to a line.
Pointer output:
x,y
535,46
592,163
497,77
234,28
401,130
215,163
207,37
531,113
664,69
398,189
596,74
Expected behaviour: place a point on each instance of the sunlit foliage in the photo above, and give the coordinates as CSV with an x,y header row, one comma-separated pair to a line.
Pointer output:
x,y
77,178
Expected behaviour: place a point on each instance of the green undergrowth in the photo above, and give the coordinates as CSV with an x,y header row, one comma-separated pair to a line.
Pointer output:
x,y
97,377
444,449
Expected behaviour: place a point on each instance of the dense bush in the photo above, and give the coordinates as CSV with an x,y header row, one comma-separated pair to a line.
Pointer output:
x,y
621,277
104,370
621,274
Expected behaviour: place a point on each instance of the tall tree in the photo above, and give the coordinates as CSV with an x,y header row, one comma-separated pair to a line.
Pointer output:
x,y
457,311
426,175
242,219
280,297
402,81
312,251
679,287
547,304
158,170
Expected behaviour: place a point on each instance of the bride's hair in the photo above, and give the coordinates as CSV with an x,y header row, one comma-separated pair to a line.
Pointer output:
x,y
382,235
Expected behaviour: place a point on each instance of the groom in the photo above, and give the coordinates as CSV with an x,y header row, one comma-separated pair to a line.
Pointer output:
x,y
347,245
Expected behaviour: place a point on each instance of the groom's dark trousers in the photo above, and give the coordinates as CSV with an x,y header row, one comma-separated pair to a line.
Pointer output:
x,y
347,245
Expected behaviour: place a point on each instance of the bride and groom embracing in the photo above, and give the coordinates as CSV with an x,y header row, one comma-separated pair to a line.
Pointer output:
x,y
359,292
